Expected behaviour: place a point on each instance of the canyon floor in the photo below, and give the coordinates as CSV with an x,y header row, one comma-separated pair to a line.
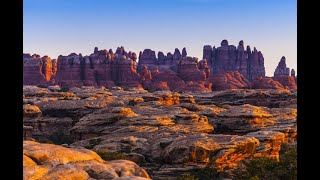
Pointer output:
x,y
99,133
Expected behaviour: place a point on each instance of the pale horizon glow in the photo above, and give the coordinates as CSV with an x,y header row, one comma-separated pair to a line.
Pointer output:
x,y
60,27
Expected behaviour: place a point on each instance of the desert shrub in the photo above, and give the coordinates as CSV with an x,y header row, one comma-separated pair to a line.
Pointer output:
x,y
64,89
188,101
44,140
132,102
93,142
187,177
41,86
60,138
108,156
207,173
267,168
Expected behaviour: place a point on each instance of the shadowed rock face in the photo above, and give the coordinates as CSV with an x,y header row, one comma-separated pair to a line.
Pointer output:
x,y
229,58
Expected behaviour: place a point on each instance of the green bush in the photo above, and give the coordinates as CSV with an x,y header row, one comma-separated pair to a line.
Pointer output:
x,y
60,138
132,103
267,168
207,173
93,142
259,168
187,177
108,156
41,86
64,89
44,140
126,89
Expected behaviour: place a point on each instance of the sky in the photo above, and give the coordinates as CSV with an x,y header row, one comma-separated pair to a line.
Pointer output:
x,y
60,27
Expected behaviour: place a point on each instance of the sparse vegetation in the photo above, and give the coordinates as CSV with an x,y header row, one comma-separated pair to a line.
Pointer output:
x,y
187,177
132,102
93,142
126,89
44,140
41,86
207,173
266,168
60,138
108,156
259,168
64,89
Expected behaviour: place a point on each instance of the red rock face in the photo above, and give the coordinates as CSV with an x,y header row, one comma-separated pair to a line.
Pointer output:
x,y
47,67
188,70
102,68
70,71
145,74
229,80
266,83
169,76
54,67
287,81
203,66
157,86
124,72
36,70
147,58
198,86
101,63
229,58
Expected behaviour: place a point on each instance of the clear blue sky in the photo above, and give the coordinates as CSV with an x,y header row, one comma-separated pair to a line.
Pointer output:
x,y
54,27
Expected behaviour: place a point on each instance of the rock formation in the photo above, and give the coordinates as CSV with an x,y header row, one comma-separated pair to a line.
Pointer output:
x,y
224,67
203,66
229,58
282,69
102,68
72,71
37,70
188,69
282,75
148,58
293,73
184,52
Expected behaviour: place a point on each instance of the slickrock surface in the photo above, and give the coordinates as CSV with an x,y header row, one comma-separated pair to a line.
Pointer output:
x,y
47,161
166,133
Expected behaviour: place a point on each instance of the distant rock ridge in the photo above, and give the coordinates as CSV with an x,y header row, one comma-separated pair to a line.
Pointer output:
x,y
224,67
